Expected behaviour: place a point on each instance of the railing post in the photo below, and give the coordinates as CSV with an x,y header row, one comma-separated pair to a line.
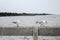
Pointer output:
x,y
35,33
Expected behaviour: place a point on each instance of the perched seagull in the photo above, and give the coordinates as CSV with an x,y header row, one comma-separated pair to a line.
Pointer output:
x,y
17,22
41,22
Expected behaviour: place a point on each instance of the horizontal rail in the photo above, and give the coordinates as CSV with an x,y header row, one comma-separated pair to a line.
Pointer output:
x,y
28,31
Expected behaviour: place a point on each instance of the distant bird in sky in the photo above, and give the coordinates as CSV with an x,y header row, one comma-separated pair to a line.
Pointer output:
x,y
17,22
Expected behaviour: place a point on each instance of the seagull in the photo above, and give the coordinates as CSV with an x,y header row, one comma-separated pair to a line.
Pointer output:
x,y
17,22
41,22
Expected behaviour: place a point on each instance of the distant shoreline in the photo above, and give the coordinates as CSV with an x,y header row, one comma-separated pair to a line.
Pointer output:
x,y
21,14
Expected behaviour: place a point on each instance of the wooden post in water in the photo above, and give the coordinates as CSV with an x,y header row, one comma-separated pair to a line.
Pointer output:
x,y
35,33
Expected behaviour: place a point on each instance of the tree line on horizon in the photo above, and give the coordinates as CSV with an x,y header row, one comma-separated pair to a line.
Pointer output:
x,y
21,14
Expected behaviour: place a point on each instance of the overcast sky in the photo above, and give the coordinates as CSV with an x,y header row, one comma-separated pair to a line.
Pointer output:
x,y
30,6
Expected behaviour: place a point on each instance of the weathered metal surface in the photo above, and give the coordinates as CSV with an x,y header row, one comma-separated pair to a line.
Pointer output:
x,y
35,33
49,31
28,31
16,31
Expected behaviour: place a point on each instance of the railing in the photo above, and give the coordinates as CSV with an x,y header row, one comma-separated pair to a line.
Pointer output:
x,y
29,31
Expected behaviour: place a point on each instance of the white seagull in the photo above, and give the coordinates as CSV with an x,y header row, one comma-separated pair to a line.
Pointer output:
x,y
41,22
17,22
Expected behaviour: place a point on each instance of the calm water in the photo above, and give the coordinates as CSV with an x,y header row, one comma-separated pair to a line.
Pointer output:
x,y
53,20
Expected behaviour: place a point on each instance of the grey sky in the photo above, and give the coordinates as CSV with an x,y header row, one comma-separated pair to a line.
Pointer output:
x,y
30,6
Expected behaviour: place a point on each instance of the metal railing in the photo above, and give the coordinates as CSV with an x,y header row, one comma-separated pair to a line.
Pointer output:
x,y
29,31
